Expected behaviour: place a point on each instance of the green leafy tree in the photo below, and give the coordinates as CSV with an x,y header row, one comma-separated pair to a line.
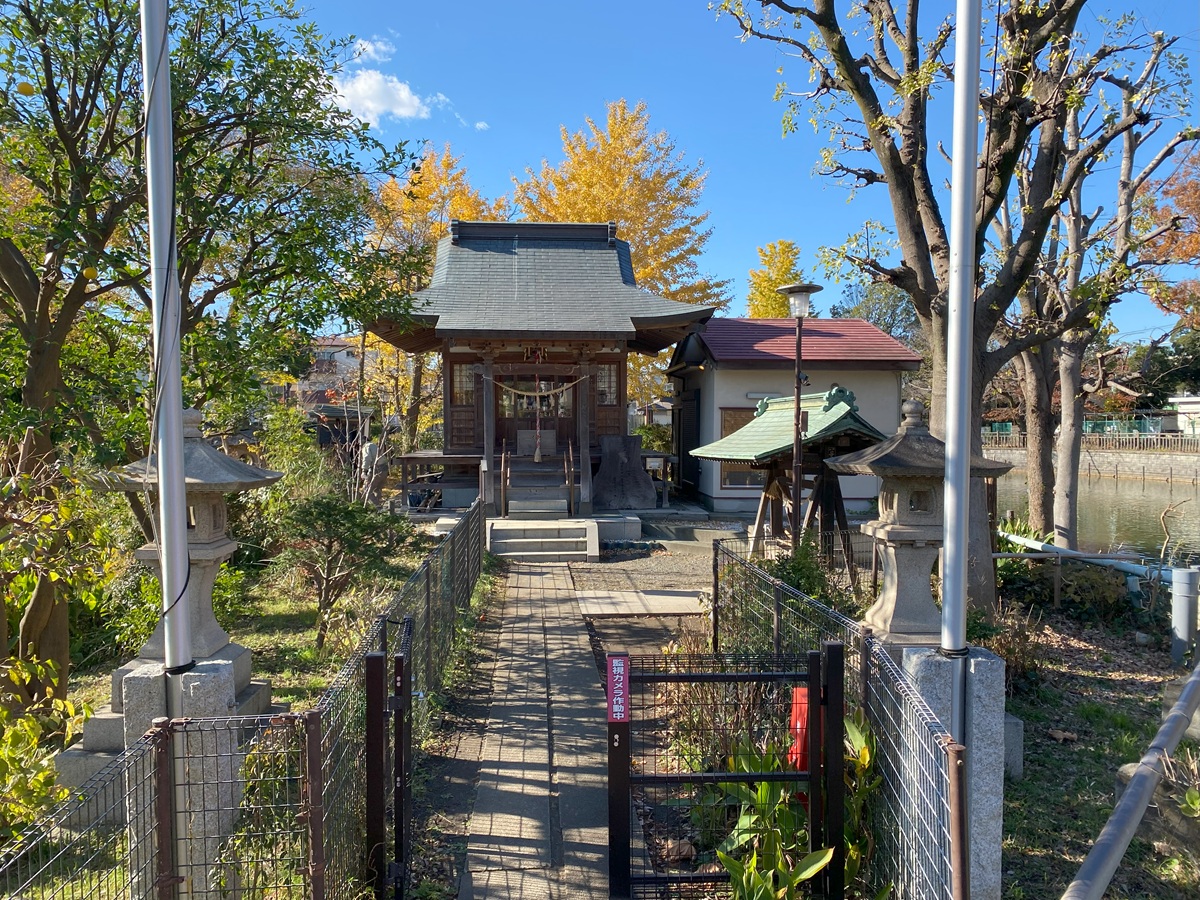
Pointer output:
x,y
779,267
884,306
30,735
1167,368
272,226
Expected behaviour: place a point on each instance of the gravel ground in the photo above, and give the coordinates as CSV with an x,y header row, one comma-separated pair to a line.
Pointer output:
x,y
673,569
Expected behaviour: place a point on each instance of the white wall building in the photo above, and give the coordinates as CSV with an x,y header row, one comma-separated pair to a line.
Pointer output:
x,y
723,372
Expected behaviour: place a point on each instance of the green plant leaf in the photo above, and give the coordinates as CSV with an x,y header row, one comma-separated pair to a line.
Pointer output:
x,y
813,863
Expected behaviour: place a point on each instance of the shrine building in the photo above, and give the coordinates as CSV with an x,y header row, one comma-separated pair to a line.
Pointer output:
x,y
535,322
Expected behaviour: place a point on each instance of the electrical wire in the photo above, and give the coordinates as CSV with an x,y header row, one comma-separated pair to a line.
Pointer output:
x,y
161,338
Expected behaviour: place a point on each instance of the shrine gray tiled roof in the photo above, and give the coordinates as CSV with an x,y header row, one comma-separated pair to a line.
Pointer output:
x,y
541,281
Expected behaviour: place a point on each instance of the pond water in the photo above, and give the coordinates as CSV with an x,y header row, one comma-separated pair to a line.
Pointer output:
x,y
1122,514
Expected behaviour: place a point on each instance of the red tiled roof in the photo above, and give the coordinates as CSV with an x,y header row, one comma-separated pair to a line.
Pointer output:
x,y
824,340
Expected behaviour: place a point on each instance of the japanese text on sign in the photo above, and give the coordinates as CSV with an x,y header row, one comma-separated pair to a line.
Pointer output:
x,y
618,688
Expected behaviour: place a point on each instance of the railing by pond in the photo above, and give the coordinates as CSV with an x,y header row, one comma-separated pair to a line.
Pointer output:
x,y
277,806
1116,442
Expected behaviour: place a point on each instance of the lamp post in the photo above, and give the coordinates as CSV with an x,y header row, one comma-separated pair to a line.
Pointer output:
x,y
799,305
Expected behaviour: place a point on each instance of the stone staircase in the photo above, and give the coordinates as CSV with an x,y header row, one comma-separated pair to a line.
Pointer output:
x,y
566,540
537,527
537,491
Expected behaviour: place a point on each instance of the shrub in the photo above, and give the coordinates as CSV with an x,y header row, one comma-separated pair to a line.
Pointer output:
x,y
655,437
1015,637
803,570
28,742
335,542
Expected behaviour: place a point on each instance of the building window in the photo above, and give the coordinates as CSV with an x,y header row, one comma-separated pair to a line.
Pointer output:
x,y
606,384
464,386
735,475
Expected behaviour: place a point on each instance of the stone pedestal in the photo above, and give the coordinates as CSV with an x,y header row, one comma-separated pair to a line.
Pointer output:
x,y
934,675
205,562
905,603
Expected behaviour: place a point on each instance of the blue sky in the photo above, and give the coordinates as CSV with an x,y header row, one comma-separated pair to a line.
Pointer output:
x,y
497,80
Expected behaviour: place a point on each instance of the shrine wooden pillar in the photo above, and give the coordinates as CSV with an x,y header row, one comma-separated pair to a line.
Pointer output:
x,y
583,416
489,431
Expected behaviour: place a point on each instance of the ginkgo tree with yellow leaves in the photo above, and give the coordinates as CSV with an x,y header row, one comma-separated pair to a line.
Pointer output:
x,y
621,171
416,213
777,267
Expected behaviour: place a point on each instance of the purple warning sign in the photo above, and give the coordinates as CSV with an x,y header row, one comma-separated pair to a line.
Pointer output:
x,y
618,687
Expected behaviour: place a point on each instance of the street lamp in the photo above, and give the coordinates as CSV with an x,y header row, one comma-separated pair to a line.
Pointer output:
x,y
799,305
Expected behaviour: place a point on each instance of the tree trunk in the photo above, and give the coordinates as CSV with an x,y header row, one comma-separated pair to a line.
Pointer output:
x,y
45,634
1070,439
981,575
1036,388
412,410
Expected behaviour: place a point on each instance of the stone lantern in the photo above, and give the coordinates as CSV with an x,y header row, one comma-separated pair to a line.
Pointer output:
x,y
220,682
912,465
209,476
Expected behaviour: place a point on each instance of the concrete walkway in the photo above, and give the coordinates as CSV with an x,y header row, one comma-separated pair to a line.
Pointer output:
x,y
539,828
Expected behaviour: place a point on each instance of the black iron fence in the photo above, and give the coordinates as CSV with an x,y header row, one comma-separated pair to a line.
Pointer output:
x,y
718,752
294,805
921,848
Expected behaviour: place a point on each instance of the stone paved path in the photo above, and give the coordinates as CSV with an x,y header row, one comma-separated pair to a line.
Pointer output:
x,y
539,826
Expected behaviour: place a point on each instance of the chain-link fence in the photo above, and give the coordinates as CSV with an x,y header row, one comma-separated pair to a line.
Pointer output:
x,y
921,773
264,806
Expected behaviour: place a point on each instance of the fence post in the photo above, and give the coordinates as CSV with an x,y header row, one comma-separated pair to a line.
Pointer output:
x,y
428,631
314,788
835,764
402,769
777,619
382,619
865,635
452,559
375,665
620,801
816,836
960,851
716,596
164,813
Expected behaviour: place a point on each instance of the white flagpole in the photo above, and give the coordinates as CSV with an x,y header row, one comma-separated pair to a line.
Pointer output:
x,y
168,393
958,362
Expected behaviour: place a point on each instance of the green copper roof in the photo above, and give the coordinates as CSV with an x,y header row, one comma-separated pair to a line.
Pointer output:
x,y
769,434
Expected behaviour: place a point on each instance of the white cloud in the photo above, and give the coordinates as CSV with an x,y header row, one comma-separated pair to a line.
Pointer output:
x,y
372,96
375,49
482,126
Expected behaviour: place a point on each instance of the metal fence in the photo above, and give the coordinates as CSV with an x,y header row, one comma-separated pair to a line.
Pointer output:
x,y
920,849
703,745
1117,442
264,806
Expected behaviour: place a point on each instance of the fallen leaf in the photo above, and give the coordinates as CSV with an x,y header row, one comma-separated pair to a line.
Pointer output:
x,y
679,851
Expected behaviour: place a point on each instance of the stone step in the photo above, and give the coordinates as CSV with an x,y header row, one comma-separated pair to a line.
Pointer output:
x,y
557,506
549,556
536,492
254,699
104,731
510,530
537,515
516,546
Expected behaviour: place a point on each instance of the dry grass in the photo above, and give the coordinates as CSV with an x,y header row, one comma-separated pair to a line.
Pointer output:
x,y
1105,689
